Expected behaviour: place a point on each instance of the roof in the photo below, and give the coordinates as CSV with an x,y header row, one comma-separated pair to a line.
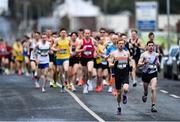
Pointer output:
x,y
77,8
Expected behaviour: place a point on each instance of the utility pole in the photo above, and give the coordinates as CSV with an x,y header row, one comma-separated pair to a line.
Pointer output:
x,y
105,12
25,12
168,22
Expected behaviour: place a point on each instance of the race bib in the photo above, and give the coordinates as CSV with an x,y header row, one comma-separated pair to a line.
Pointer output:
x,y
87,53
121,66
44,54
62,51
104,62
152,67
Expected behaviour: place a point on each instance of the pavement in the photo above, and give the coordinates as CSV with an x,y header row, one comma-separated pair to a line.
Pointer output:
x,y
20,101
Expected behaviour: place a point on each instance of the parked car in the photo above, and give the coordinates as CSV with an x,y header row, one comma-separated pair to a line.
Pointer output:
x,y
176,67
168,63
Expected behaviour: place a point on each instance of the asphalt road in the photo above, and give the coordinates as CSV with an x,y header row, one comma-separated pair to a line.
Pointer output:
x,y
20,101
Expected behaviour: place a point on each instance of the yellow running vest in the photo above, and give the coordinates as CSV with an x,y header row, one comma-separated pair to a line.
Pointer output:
x,y
99,51
18,52
64,49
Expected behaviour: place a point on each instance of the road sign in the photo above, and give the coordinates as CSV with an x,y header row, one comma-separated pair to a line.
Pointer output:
x,y
146,16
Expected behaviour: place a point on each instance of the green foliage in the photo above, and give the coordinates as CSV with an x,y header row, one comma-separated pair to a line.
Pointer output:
x,y
115,6
35,8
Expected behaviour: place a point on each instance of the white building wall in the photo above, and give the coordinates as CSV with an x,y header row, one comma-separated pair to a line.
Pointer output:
x,y
162,20
119,23
48,22
74,24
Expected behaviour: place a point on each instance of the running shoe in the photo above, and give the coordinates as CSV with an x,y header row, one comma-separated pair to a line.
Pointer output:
x,y
37,85
90,85
104,82
27,74
53,84
99,88
35,74
85,89
110,89
153,109
62,89
73,87
144,98
43,90
80,83
19,72
124,99
119,111
134,83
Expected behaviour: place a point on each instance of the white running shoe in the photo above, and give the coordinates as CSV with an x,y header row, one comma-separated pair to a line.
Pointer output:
x,y
90,85
110,89
43,90
104,82
72,87
27,74
35,74
37,85
85,89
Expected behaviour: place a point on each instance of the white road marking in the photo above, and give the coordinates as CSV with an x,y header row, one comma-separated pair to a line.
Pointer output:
x,y
83,105
164,91
175,96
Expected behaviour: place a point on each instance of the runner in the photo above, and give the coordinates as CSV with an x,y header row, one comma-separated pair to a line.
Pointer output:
x,y
149,61
120,61
135,52
157,48
43,48
79,39
5,55
18,54
110,49
125,38
25,44
126,47
62,48
74,61
101,64
51,69
33,42
87,60
55,76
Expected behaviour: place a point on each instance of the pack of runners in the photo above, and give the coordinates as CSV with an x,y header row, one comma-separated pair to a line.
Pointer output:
x,y
84,58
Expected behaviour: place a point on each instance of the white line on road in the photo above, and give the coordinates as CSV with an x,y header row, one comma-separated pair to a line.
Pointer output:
x,y
164,91
83,105
175,96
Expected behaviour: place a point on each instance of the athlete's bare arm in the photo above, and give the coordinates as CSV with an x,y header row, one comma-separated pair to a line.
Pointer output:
x,y
54,46
111,59
79,50
141,61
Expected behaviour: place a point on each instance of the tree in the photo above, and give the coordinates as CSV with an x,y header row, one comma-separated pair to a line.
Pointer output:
x,y
115,6
36,8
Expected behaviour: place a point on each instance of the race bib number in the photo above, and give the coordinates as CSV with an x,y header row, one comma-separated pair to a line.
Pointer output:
x,y
121,66
87,53
44,54
104,62
152,67
62,51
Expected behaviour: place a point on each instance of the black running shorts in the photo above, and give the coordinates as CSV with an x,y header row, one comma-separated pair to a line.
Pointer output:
x,y
148,77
